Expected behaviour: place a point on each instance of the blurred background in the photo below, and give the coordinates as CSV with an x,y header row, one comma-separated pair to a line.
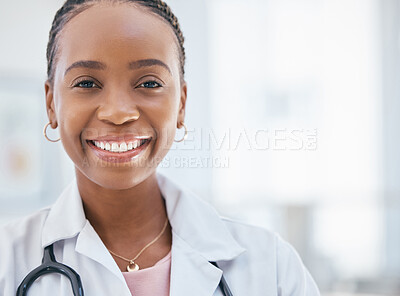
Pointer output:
x,y
293,112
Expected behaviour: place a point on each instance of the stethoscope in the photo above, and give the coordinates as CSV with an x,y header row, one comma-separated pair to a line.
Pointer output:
x,y
50,265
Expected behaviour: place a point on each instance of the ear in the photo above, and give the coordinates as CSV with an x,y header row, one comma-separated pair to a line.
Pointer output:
x,y
182,104
51,114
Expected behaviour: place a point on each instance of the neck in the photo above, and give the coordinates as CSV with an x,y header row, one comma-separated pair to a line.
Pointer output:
x,y
125,219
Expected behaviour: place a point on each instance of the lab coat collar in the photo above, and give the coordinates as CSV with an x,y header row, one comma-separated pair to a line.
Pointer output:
x,y
197,223
199,236
193,220
66,218
191,273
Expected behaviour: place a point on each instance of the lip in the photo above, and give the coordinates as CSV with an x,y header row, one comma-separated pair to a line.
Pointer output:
x,y
118,157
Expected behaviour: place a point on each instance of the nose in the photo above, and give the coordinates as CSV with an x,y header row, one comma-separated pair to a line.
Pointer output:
x,y
119,108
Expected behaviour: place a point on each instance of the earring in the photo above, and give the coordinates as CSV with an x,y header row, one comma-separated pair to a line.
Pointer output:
x,y
45,134
184,136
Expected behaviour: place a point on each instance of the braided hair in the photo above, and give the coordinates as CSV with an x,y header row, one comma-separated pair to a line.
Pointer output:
x,y
72,8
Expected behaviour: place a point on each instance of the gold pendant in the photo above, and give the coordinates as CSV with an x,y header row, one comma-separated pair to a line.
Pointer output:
x,y
132,266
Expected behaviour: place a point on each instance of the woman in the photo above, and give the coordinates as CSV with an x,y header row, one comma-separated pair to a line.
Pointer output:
x,y
116,92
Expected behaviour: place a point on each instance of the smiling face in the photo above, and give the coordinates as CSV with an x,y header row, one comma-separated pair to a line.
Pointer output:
x,y
117,95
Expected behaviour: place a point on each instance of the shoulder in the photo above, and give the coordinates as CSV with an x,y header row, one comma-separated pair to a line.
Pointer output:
x,y
24,229
254,239
20,243
268,250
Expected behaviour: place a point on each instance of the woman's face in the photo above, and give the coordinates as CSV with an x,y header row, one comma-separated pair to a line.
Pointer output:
x,y
116,86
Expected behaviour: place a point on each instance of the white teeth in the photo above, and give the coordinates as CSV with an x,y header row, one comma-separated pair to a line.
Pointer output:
x,y
114,147
118,148
123,147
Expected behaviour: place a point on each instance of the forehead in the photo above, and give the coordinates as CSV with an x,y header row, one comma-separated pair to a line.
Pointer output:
x,y
117,34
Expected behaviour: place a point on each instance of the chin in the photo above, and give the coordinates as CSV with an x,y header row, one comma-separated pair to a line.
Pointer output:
x,y
122,181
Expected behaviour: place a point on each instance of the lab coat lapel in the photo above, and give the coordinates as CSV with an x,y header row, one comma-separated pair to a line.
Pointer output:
x,y
67,220
191,273
199,235
66,217
197,223
89,244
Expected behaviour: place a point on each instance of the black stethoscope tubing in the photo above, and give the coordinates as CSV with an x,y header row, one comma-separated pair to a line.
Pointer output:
x,y
50,265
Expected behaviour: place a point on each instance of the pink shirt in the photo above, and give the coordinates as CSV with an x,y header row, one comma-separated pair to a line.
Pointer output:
x,y
150,281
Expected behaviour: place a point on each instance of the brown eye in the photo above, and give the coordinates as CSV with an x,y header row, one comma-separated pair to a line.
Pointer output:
x,y
86,84
150,84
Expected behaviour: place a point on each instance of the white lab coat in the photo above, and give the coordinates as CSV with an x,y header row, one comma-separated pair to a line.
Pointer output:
x,y
253,260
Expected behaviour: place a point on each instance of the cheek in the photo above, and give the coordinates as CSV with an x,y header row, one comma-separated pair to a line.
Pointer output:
x,y
164,120
72,118
164,124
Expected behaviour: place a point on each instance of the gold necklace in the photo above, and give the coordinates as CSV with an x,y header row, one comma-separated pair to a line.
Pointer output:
x,y
132,266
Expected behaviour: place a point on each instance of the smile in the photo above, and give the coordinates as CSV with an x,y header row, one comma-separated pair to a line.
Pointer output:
x,y
118,151
119,147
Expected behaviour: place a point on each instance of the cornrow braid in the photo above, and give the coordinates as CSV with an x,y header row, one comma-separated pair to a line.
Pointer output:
x,y
72,8
161,8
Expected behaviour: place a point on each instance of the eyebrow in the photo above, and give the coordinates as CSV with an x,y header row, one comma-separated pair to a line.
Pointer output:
x,y
132,65
86,64
148,63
